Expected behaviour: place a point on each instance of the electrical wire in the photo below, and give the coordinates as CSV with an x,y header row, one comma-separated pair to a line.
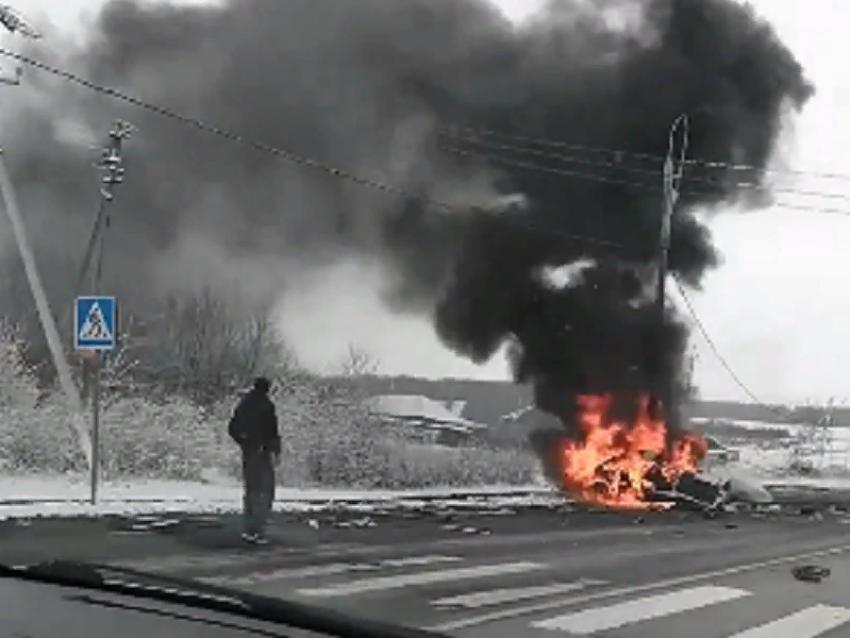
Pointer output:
x,y
616,164
619,165
281,153
379,186
780,413
563,172
622,153
711,343
566,172
373,184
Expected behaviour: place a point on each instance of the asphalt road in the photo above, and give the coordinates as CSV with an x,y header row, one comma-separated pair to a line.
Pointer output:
x,y
510,573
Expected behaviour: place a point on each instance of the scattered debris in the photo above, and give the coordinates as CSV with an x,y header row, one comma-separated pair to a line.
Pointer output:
x,y
810,573
692,492
359,523
144,524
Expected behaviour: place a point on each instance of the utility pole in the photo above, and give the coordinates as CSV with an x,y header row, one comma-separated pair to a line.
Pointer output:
x,y
13,22
672,184
111,163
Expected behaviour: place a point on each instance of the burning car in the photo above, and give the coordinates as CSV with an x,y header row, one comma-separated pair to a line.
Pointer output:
x,y
634,462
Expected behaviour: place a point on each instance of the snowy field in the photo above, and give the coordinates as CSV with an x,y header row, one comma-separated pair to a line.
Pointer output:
x,y
780,452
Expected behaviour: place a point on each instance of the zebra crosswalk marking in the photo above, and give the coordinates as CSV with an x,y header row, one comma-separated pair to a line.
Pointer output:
x,y
499,596
589,621
806,623
383,583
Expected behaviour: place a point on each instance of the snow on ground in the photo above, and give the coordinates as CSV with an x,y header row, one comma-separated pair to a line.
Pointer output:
x,y
38,496
761,463
753,425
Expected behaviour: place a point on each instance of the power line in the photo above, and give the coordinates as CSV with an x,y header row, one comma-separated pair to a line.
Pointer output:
x,y
342,173
782,414
619,165
563,172
369,183
215,130
711,344
616,164
455,131
567,172
286,155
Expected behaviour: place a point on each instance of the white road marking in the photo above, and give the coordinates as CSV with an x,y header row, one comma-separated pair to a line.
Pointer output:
x,y
178,562
589,621
499,596
420,578
333,569
632,589
807,623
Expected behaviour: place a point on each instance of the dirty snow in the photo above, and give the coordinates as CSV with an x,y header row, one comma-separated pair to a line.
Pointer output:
x,y
37,496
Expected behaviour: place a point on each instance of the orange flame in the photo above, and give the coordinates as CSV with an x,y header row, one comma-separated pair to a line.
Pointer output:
x,y
611,465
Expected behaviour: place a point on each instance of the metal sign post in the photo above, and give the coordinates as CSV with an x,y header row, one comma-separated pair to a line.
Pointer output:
x,y
95,323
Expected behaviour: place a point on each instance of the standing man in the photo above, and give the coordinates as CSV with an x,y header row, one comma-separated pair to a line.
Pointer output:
x,y
254,428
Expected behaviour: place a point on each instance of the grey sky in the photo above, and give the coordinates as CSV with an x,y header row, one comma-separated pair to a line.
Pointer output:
x,y
777,308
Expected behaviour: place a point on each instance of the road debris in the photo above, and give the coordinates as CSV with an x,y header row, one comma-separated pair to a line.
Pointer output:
x,y
359,523
693,492
810,573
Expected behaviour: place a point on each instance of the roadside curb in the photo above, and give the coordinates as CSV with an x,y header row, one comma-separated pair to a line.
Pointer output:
x,y
307,499
290,502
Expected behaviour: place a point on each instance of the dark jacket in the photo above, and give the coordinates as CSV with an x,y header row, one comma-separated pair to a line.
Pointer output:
x,y
254,424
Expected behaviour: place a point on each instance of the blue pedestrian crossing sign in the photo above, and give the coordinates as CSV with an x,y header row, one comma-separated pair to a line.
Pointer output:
x,y
94,323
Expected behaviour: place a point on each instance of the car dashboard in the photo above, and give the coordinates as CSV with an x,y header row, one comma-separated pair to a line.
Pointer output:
x,y
39,610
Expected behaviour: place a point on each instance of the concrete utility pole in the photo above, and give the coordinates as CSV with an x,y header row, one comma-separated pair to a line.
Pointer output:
x,y
111,163
673,170
15,23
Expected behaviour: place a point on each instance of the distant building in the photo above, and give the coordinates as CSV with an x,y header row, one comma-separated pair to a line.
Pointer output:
x,y
423,419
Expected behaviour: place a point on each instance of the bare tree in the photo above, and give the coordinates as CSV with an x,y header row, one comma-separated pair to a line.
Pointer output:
x,y
207,343
358,363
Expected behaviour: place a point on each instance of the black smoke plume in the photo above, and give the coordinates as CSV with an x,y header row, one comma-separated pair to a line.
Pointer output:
x,y
385,89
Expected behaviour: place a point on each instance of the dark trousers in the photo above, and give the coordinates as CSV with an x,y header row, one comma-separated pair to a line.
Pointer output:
x,y
258,476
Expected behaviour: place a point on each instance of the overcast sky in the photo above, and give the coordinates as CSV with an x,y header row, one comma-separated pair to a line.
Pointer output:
x,y
778,309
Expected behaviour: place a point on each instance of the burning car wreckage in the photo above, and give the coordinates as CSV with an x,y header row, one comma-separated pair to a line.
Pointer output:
x,y
633,462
